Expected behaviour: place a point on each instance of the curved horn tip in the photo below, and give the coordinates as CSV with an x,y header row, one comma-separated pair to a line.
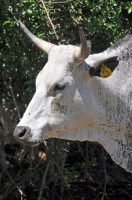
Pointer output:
x,y
41,44
83,52
89,43
21,25
81,31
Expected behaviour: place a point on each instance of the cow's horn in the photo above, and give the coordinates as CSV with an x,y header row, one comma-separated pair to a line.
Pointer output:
x,y
43,45
83,52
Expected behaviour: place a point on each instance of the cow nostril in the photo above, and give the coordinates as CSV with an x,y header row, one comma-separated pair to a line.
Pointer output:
x,y
22,132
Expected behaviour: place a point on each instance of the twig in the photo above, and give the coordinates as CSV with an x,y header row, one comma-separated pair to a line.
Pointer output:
x,y
43,180
63,178
15,185
86,168
8,191
49,19
81,151
61,174
75,20
14,100
104,191
54,193
68,1
21,193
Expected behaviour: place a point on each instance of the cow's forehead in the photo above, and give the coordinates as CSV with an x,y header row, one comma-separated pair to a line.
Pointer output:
x,y
62,53
60,64
56,76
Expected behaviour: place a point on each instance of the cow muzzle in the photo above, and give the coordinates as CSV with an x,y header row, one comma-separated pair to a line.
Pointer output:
x,y
23,135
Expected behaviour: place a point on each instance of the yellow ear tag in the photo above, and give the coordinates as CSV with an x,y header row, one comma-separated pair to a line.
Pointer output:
x,y
105,71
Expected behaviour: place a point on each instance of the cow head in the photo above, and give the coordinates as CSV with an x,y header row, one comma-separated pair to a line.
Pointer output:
x,y
63,100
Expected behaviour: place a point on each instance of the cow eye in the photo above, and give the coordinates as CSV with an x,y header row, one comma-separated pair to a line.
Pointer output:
x,y
59,87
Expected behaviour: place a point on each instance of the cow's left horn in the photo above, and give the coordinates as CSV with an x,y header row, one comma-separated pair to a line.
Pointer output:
x,y
83,52
41,44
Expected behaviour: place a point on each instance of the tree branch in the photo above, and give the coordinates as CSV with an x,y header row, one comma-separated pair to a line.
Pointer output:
x,y
49,19
43,180
14,100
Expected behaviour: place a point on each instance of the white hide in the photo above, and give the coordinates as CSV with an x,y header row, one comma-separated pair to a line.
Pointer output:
x,y
93,109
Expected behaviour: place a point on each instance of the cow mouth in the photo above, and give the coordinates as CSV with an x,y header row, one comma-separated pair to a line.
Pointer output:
x,y
28,143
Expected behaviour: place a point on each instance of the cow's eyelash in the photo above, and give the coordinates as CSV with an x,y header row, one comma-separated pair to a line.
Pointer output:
x,y
59,87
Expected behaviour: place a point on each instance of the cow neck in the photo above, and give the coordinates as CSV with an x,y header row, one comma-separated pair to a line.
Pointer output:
x,y
111,125
108,104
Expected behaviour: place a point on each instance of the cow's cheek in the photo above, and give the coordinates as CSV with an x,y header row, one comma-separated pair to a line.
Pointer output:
x,y
57,108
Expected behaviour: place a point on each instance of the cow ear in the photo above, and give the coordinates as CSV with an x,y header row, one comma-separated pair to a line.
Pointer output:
x,y
104,68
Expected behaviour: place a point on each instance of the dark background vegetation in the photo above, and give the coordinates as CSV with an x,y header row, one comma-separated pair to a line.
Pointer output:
x,y
56,170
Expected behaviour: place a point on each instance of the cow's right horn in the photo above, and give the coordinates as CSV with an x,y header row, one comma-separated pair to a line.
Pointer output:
x,y
83,52
41,44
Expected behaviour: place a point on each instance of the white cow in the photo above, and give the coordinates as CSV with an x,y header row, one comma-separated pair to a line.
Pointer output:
x,y
76,100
